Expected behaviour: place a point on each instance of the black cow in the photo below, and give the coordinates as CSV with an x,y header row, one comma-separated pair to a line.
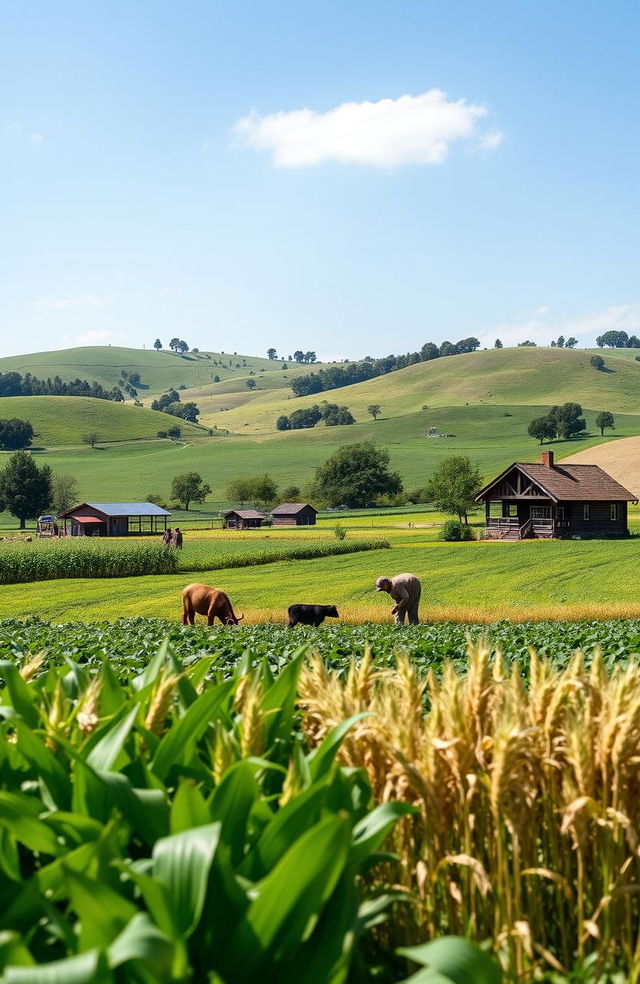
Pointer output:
x,y
310,614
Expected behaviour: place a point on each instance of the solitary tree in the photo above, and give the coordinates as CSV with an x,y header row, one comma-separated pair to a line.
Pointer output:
x,y
64,492
597,362
497,343
571,342
91,438
15,434
605,419
25,489
542,428
157,345
455,485
188,488
251,384
272,354
355,475
374,410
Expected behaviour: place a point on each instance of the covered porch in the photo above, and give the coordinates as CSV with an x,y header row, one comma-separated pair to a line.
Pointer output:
x,y
521,519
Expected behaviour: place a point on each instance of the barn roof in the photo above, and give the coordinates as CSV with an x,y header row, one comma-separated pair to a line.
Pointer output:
x,y
568,482
121,509
291,508
245,513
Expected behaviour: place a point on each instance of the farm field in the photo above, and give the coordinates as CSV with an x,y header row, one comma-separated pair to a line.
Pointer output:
x,y
481,581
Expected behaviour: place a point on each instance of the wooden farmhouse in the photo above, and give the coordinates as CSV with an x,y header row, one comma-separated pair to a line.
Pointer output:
x,y
114,519
543,499
243,519
294,514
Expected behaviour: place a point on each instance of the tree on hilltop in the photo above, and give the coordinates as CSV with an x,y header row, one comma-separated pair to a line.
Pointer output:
x,y
374,410
157,345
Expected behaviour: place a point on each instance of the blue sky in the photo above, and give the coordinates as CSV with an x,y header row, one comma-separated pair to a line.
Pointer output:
x,y
136,204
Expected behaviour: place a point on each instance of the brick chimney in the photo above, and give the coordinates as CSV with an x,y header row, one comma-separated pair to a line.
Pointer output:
x,y
547,459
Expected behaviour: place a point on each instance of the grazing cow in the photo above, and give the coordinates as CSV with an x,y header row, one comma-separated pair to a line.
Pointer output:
x,y
203,600
310,614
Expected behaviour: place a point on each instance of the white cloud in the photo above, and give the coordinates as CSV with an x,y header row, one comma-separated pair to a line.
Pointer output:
x,y
36,139
542,328
388,133
56,304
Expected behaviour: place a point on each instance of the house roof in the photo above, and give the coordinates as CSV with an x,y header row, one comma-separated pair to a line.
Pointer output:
x,y
121,509
291,508
245,513
568,482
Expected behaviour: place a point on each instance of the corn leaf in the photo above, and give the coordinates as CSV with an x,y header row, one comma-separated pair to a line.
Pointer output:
x,y
103,913
19,693
453,959
181,863
178,743
85,968
141,940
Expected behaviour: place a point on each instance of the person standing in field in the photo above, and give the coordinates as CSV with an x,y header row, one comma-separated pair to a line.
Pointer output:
x,y
167,537
177,538
405,589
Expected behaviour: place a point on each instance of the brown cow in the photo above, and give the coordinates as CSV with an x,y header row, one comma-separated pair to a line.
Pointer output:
x,y
203,600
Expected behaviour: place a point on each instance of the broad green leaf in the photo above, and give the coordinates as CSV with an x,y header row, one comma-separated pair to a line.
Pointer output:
x,y
181,863
112,694
189,808
287,825
19,693
454,959
141,940
151,670
231,804
289,899
26,828
13,950
47,766
146,810
155,895
85,968
178,743
321,758
104,753
373,829
283,695
26,908
103,913
76,828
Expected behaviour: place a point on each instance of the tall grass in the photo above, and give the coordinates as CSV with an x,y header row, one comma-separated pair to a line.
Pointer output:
x,y
23,562
528,799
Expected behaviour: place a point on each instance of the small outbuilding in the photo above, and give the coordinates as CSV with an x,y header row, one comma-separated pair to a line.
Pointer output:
x,y
294,514
545,500
114,519
243,519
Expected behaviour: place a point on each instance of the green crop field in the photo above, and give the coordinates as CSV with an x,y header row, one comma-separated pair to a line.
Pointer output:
x,y
481,581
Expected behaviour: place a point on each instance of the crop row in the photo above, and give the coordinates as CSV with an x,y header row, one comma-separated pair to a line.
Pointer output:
x,y
129,643
46,561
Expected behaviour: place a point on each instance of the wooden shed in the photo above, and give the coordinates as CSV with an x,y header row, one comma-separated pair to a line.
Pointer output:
x,y
243,519
114,519
294,514
545,500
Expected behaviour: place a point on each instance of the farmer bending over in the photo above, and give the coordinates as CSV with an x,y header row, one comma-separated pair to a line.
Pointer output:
x,y
405,590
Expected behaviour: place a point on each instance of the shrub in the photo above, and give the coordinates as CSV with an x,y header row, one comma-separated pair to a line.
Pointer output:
x,y
597,362
339,531
452,530
466,533
161,434
174,432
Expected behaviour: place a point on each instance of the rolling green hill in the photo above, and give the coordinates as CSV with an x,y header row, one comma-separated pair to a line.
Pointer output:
x,y
481,402
158,370
64,420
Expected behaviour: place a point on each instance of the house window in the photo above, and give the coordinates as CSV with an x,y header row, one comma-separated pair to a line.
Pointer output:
x,y
613,512
586,511
513,508
540,512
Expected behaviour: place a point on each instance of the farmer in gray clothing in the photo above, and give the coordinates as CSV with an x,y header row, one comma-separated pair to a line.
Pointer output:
x,y
405,590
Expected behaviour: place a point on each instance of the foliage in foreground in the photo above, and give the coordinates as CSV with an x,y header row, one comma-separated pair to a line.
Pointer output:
x,y
528,800
172,828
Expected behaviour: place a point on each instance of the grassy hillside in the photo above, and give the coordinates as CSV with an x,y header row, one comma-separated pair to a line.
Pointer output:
x,y
620,458
158,370
63,420
526,376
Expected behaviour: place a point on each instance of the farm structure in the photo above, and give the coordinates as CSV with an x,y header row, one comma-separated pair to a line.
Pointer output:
x,y
114,519
294,514
543,499
243,519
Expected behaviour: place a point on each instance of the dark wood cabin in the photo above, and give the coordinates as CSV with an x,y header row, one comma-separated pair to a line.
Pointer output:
x,y
114,519
243,519
542,499
294,514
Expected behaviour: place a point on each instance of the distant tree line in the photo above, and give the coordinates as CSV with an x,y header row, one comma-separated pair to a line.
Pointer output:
x,y
357,372
617,339
332,414
170,402
14,384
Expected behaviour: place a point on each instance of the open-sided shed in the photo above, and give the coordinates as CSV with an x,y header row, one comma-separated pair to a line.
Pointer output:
x,y
114,519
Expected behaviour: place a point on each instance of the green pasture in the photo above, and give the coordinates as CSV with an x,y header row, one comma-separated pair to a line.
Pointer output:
x,y
479,575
